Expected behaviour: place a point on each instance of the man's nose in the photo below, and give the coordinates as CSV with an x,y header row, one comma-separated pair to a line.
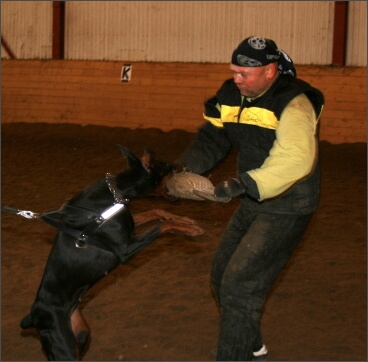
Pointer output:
x,y
237,78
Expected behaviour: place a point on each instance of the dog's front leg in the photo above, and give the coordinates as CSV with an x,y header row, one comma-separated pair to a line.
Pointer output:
x,y
158,214
56,335
172,226
171,222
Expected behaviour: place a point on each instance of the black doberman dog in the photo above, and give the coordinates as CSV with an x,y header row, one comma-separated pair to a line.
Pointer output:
x,y
96,233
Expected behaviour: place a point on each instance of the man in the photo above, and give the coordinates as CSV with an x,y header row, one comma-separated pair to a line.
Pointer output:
x,y
270,117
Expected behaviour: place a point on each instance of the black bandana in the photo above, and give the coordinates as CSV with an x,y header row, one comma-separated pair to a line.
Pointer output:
x,y
258,52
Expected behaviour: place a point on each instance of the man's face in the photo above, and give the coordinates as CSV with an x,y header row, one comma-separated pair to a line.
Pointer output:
x,y
251,81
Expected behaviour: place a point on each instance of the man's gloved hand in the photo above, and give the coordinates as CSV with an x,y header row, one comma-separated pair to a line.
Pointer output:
x,y
231,188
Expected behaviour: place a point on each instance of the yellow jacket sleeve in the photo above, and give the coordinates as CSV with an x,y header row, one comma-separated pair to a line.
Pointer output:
x,y
293,153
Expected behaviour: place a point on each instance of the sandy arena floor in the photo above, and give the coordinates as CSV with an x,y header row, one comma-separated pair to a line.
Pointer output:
x,y
159,305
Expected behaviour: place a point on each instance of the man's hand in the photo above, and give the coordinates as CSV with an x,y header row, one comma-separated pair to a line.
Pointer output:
x,y
231,188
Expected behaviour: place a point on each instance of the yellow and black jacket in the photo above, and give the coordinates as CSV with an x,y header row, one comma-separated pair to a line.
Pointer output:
x,y
276,136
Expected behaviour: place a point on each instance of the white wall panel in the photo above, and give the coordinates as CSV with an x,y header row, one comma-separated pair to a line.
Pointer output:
x,y
357,34
27,28
181,31
196,31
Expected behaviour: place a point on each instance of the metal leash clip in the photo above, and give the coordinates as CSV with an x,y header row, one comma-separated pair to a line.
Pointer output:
x,y
27,214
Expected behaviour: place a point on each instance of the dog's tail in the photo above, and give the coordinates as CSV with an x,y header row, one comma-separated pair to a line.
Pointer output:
x,y
27,322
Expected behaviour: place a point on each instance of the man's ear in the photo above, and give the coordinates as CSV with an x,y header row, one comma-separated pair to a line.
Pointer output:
x,y
271,70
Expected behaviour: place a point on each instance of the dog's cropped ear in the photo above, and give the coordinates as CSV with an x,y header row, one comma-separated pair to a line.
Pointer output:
x,y
131,159
147,159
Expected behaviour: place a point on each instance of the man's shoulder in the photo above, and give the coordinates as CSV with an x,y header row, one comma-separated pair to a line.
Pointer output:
x,y
288,83
291,87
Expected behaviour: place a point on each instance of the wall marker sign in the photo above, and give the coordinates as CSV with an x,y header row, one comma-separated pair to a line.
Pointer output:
x,y
126,73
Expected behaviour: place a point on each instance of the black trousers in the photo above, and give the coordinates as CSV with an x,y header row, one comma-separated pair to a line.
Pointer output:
x,y
253,250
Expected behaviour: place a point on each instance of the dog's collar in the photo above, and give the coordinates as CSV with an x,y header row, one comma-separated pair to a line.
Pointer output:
x,y
113,187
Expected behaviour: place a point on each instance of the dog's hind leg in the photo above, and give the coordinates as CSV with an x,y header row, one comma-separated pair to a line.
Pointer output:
x,y
81,331
55,333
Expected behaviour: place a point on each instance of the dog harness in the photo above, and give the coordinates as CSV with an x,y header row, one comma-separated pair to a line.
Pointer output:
x,y
54,218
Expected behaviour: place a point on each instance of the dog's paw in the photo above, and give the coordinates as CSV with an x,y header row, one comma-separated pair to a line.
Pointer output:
x,y
194,230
